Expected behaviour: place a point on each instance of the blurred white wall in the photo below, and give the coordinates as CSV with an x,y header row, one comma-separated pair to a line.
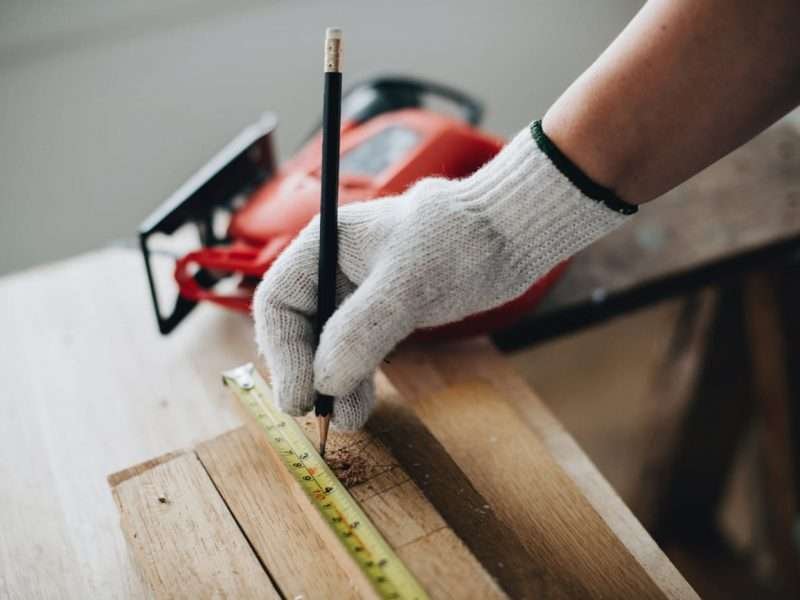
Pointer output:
x,y
106,106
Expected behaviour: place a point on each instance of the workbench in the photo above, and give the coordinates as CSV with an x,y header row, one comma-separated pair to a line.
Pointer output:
x,y
90,387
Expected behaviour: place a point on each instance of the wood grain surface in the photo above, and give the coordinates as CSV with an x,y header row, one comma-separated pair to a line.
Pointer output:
x,y
482,484
185,540
91,388
241,465
286,532
483,414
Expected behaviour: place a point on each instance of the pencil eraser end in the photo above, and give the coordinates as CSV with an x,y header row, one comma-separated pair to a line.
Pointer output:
x,y
333,33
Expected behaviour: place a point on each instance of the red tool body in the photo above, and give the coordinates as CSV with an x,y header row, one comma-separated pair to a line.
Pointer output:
x,y
383,152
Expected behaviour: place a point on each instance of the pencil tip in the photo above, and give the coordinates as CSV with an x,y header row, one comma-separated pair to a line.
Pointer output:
x,y
323,423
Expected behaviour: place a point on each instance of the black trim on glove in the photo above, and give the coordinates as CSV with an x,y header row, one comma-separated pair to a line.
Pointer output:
x,y
578,178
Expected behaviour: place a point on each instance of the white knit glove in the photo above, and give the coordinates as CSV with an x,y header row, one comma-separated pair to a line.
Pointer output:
x,y
441,251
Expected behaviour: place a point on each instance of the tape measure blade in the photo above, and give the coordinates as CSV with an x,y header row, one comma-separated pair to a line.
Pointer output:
x,y
351,528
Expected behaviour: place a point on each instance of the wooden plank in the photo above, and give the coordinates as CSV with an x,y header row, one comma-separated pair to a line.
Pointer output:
x,y
430,481
116,478
583,545
496,545
240,464
185,540
411,524
294,550
596,383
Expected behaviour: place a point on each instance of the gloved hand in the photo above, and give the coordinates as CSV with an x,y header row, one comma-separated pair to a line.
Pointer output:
x,y
441,251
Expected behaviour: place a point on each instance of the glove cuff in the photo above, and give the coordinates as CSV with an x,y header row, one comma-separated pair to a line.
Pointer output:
x,y
578,178
544,211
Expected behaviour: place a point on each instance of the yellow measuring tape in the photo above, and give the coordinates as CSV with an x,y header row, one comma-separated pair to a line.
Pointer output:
x,y
377,561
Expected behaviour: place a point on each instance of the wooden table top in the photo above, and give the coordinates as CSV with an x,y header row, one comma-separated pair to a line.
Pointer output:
x,y
740,213
89,388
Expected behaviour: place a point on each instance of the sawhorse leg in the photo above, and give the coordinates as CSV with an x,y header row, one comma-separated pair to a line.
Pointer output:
x,y
751,371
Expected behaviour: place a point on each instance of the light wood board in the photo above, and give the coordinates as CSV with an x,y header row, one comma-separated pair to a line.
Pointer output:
x,y
240,473
580,534
83,356
480,484
181,531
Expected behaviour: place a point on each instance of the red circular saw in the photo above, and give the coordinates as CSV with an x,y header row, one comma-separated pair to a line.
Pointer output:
x,y
244,210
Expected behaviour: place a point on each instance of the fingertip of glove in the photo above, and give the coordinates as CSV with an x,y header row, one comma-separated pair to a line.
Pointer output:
x,y
350,418
294,411
351,412
294,397
345,426
293,405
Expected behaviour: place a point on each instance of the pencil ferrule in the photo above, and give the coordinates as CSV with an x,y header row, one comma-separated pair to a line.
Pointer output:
x,y
333,55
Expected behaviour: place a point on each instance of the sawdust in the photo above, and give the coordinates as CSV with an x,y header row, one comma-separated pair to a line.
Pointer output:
x,y
352,467
350,462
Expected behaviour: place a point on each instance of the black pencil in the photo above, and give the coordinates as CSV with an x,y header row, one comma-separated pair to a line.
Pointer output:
x,y
329,201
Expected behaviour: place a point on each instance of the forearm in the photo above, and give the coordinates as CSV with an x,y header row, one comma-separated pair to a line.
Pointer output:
x,y
684,84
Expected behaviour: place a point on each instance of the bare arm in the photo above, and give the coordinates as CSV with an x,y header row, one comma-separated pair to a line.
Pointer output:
x,y
685,83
